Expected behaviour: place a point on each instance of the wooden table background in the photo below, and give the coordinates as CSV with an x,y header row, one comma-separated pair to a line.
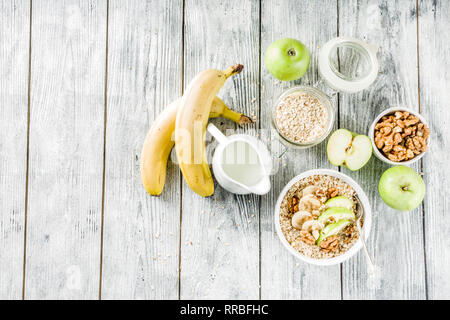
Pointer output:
x,y
80,84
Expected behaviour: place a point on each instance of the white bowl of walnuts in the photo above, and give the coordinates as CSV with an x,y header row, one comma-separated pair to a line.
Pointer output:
x,y
400,136
316,214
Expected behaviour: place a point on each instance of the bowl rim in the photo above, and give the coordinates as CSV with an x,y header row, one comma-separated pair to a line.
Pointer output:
x,y
371,134
362,197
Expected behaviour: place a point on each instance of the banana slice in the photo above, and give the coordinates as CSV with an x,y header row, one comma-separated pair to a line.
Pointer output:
x,y
309,190
299,218
313,227
309,203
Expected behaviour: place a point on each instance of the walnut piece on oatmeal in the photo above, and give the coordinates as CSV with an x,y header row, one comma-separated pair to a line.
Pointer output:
x,y
332,192
293,204
330,244
307,237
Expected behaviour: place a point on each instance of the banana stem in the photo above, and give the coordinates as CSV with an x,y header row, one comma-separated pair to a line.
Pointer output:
x,y
233,70
237,117
245,120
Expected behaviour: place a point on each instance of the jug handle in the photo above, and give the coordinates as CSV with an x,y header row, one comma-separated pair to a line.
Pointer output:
x,y
217,134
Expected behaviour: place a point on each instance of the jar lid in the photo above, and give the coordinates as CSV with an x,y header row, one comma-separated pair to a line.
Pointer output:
x,y
360,67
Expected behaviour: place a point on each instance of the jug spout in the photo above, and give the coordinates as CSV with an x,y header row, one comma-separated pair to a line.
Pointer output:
x,y
260,188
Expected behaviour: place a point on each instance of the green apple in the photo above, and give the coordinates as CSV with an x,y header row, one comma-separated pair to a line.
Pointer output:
x,y
401,188
340,201
287,59
337,213
345,147
332,229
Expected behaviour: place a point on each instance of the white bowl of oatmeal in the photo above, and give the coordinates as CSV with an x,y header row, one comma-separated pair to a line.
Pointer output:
x,y
312,244
303,117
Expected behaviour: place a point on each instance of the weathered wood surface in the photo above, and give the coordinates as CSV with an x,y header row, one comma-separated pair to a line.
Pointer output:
x,y
141,233
391,26
221,261
282,275
14,57
133,58
434,62
66,149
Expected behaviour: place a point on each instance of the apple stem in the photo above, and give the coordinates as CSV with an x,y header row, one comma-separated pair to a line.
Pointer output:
x,y
291,52
405,188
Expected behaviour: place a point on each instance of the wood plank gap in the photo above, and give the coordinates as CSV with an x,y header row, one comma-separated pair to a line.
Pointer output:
x,y
338,98
391,26
259,128
421,161
105,115
181,175
28,156
295,279
210,267
339,67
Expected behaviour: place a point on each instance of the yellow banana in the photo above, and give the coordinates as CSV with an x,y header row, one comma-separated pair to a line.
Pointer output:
x,y
190,127
158,142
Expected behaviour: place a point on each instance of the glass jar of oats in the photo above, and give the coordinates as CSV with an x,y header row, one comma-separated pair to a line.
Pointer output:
x,y
303,116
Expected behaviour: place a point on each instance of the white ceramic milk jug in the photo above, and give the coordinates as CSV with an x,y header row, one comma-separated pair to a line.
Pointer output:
x,y
241,163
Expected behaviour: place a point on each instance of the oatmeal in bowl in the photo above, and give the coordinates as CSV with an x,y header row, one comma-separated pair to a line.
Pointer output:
x,y
316,216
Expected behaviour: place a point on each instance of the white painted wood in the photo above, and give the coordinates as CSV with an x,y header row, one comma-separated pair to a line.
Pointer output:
x,y
14,55
141,232
219,236
434,61
66,149
282,275
396,238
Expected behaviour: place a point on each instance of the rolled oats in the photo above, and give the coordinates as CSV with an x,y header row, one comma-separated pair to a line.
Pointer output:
x,y
301,118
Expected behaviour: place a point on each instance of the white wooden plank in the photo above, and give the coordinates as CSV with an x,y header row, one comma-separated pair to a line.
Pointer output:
x,y
223,260
434,61
141,233
282,275
14,55
66,144
396,238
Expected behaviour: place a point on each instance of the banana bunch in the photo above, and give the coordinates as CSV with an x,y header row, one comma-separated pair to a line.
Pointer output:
x,y
187,117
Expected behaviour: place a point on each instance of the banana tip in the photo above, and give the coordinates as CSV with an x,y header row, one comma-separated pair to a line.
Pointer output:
x,y
245,120
237,68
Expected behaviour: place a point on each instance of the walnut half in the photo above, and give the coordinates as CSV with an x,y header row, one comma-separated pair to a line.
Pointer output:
x,y
307,237
332,192
293,205
330,244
